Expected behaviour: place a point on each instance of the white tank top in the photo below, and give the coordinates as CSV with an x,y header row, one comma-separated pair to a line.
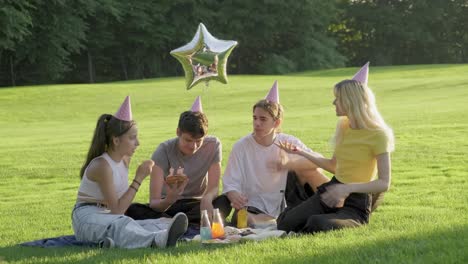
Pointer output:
x,y
89,190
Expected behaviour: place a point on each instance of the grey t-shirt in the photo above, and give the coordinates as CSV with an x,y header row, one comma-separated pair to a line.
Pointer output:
x,y
196,166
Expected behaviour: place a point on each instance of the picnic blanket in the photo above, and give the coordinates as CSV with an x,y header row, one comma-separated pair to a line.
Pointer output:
x,y
60,241
70,240
235,235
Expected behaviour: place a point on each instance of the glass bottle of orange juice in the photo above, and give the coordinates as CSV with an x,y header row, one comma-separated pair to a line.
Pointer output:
x,y
217,227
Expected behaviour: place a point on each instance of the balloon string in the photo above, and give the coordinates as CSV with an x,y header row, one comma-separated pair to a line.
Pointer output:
x,y
211,105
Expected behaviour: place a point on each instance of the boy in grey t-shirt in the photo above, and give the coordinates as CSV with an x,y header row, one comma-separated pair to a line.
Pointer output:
x,y
199,156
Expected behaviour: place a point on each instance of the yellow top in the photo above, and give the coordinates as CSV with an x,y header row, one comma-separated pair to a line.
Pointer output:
x,y
356,155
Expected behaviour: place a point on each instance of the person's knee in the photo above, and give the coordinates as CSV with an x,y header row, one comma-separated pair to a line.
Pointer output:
x,y
222,199
314,177
281,225
222,202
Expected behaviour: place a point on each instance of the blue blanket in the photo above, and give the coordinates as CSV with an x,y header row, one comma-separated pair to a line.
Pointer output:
x,y
60,241
63,241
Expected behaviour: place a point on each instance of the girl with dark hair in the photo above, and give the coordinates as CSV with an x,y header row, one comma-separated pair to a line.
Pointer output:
x,y
104,194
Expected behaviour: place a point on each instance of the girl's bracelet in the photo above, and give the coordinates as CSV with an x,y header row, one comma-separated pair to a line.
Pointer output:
x,y
139,183
134,188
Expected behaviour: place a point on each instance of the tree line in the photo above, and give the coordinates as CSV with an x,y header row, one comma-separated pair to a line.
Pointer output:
x,y
81,41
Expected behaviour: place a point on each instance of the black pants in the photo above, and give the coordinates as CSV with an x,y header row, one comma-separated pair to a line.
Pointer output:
x,y
312,215
295,192
191,207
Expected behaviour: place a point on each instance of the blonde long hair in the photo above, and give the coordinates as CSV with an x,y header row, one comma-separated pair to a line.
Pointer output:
x,y
358,102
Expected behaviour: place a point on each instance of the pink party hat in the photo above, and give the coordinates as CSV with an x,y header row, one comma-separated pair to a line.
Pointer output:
x,y
362,74
273,94
125,111
197,105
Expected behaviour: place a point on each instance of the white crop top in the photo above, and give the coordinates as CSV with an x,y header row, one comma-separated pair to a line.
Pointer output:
x,y
89,190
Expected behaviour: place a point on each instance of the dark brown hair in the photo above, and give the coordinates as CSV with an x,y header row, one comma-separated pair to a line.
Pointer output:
x,y
194,123
107,127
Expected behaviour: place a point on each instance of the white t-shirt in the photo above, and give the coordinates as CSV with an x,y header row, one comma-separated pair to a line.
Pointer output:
x,y
248,173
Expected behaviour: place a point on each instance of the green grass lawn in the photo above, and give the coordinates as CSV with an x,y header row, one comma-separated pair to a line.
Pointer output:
x,y
46,131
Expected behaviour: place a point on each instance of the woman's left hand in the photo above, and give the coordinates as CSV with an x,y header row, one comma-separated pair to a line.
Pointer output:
x,y
335,195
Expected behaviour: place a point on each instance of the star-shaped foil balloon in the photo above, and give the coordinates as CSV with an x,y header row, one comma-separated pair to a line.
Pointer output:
x,y
204,58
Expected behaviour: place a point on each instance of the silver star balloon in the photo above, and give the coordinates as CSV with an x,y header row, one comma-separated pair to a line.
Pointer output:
x,y
204,58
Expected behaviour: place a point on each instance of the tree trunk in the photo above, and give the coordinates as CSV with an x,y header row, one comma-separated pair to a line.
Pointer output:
x,y
123,65
12,71
90,67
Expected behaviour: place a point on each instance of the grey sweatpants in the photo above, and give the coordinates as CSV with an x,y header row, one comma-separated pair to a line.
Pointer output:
x,y
93,224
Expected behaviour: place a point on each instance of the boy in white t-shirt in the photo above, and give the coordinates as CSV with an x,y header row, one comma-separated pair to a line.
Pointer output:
x,y
257,171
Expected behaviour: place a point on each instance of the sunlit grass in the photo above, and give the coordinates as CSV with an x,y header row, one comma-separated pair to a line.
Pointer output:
x,y
46,130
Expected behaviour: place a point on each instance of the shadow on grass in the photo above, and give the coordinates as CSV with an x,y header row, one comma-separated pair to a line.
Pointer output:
x,y
445,246
73,254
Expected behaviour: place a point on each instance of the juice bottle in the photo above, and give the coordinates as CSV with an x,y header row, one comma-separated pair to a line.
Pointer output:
x,y
242,218
205,227
217,229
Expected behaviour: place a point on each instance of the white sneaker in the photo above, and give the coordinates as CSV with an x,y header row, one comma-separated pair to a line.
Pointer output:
x,y
107,242
176,229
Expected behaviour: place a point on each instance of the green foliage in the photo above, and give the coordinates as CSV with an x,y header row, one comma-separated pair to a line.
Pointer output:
x,y
47,130
293,33
403,32
106,40
95,41
277,64
15,20
55,30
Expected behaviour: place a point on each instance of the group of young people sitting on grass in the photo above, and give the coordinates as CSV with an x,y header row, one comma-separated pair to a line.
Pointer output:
x,y
275,176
